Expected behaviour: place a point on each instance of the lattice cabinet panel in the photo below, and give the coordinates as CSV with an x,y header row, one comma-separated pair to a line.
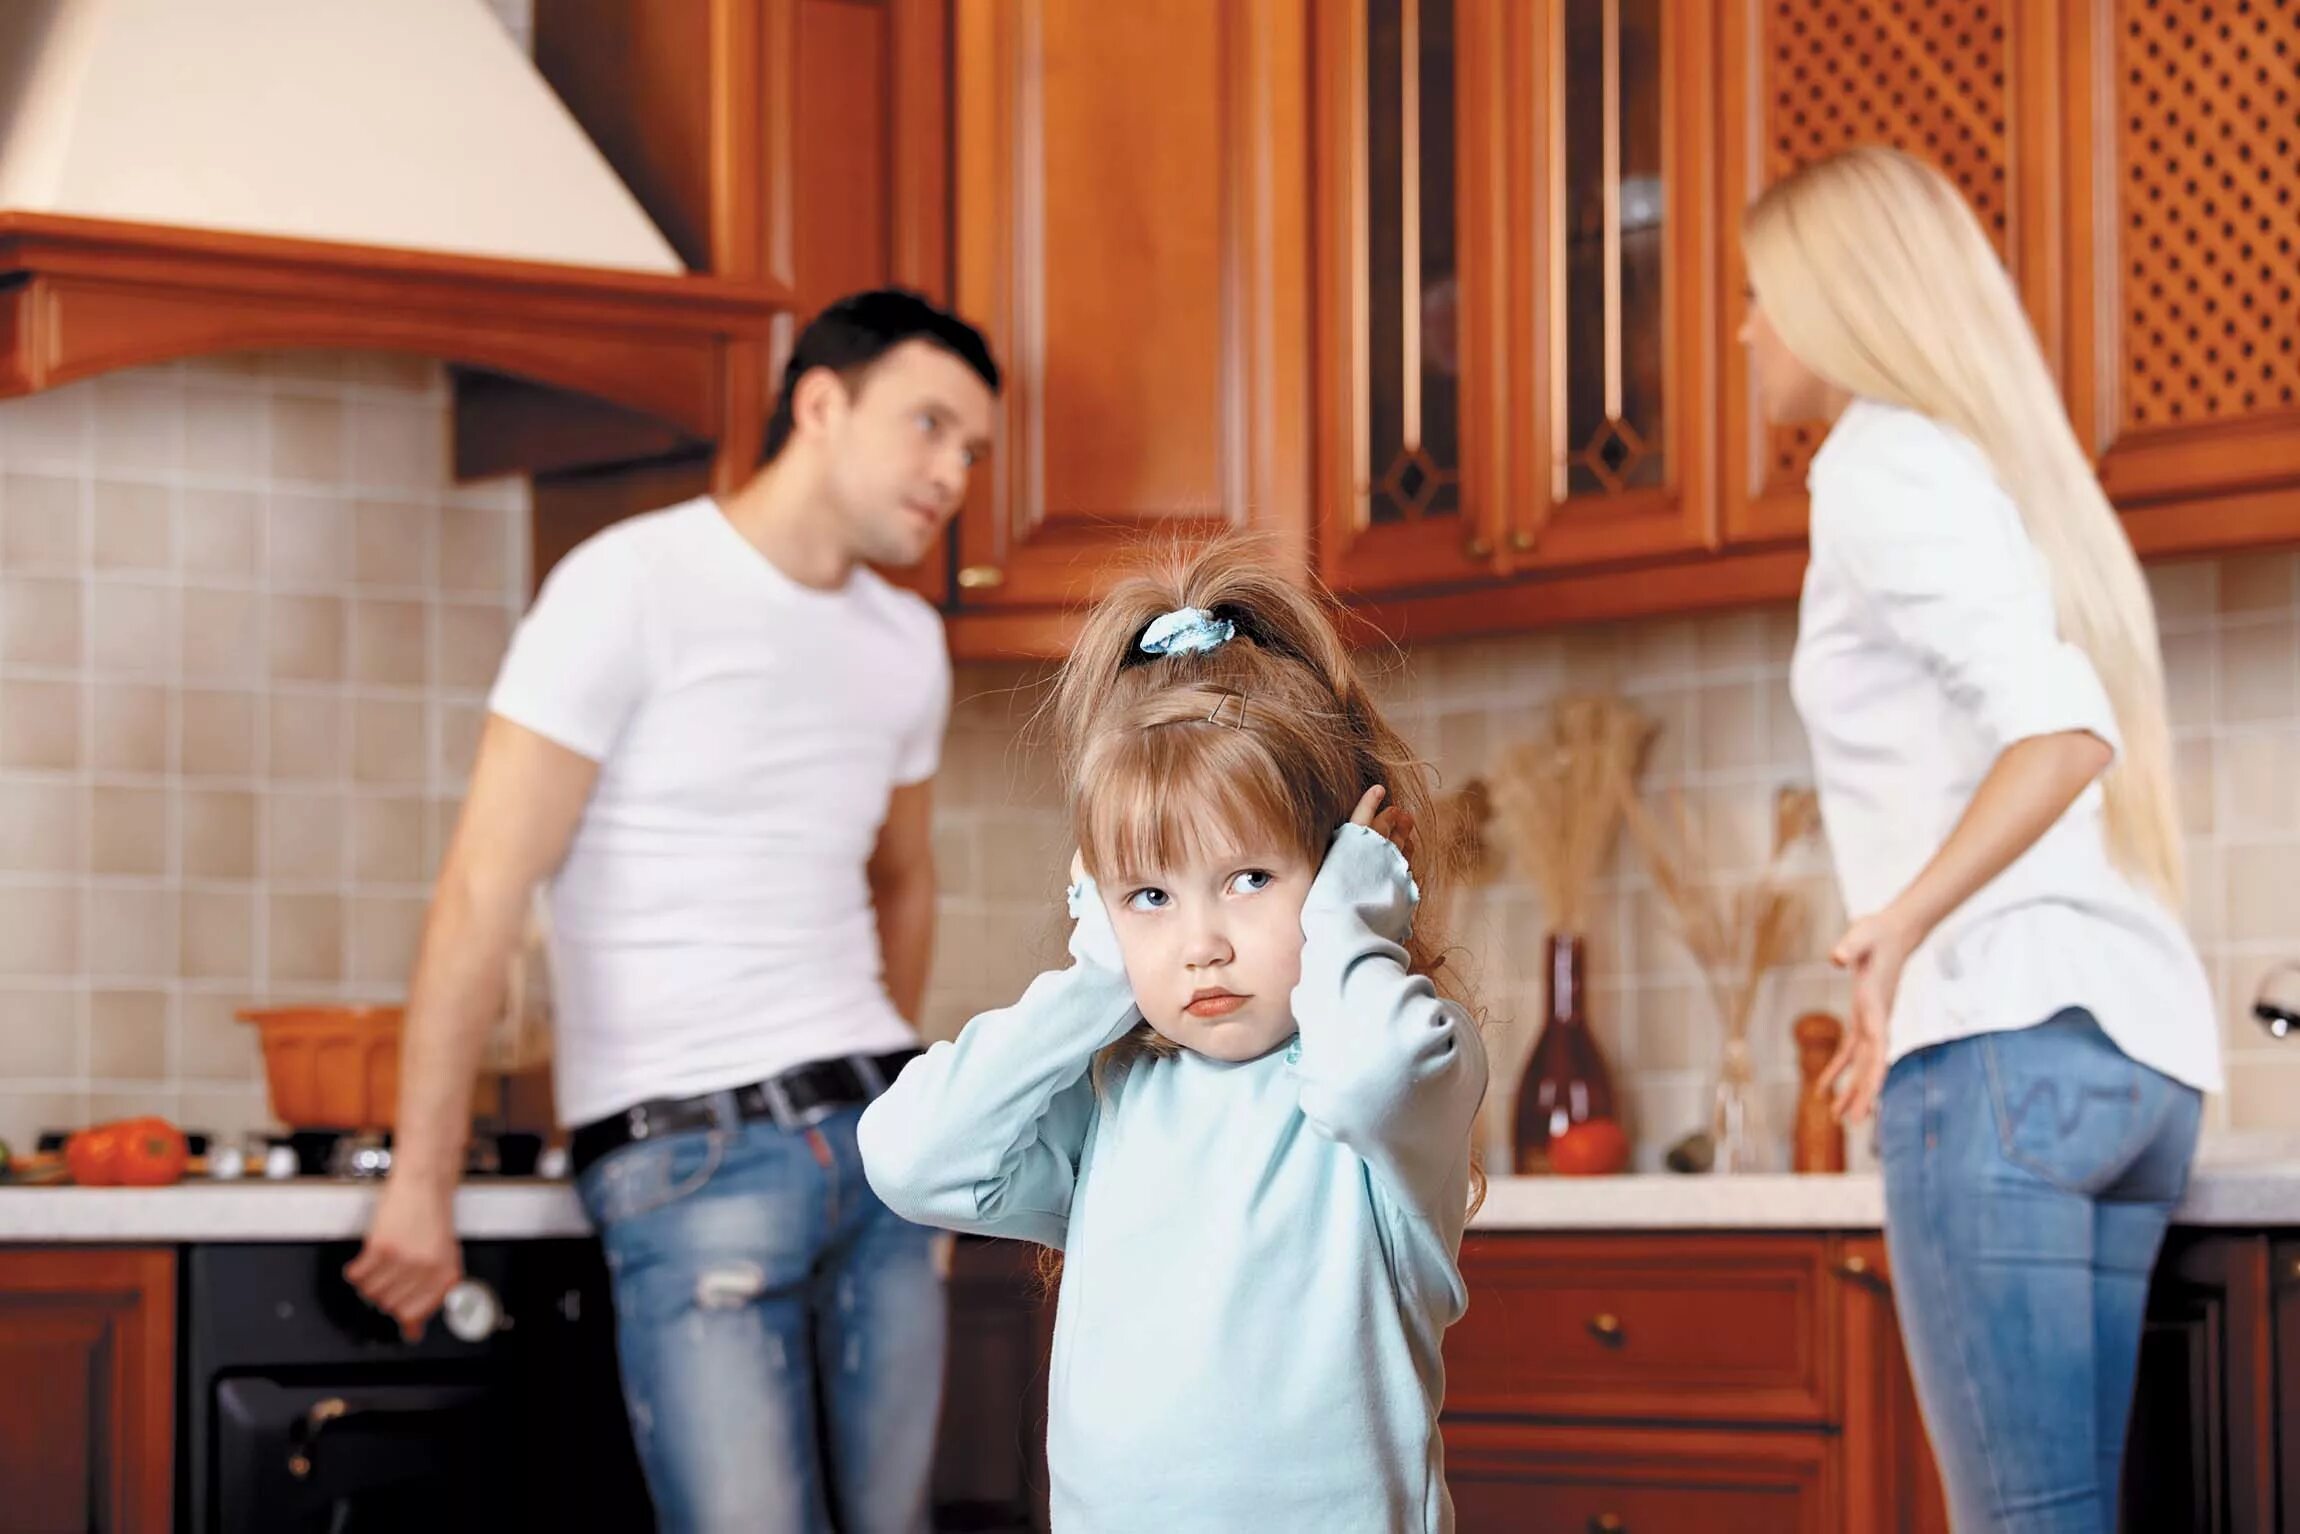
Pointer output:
x,y
2208,241
1926,76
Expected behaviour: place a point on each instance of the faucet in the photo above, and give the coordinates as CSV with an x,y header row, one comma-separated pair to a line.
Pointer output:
x,y
2277,1005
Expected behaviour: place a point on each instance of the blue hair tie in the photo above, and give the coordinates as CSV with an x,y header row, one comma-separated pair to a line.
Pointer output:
x,y
1187,631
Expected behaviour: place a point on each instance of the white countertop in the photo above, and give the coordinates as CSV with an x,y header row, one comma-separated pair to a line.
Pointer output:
x,y
2224,1190
2239,1194
256,1210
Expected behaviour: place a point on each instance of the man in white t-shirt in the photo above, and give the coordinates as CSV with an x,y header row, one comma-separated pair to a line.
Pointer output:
x,y
714,733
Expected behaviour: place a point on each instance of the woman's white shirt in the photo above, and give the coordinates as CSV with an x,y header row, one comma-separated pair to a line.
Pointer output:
x,y
1927,645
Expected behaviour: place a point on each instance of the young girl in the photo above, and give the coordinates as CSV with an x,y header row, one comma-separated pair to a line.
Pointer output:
x,y
1242,1114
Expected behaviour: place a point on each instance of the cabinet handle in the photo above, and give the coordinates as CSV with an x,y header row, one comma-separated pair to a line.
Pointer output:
x,y
1606,1328
1608,1523
1477,547
981,577
1857,1270
1522,541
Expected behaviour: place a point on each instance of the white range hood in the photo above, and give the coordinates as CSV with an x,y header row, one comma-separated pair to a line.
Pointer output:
x,y
400,124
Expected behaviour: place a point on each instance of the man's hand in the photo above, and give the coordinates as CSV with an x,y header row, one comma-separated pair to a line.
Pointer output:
x,y
527,796
411,1258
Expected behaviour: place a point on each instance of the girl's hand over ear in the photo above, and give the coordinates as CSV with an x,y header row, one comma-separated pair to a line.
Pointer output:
x,y
1393,823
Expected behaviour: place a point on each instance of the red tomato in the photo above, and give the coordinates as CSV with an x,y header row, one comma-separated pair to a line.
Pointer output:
x,y
1592,1148
93,1156
152,1153
136,1153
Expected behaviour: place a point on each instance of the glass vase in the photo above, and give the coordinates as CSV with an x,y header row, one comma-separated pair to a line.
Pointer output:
x,y
1740,1134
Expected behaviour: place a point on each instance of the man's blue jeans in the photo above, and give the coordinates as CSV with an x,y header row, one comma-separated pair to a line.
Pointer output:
x,y
781,1333
2029,1178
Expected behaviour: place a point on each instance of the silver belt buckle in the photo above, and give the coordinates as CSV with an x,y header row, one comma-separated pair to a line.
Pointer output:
x,y
788,1117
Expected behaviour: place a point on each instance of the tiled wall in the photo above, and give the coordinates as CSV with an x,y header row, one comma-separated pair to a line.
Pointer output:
x,y
247,624
246,628
1729,738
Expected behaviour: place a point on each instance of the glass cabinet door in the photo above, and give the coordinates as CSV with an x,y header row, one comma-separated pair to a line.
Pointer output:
x,y
1408,151
1618,216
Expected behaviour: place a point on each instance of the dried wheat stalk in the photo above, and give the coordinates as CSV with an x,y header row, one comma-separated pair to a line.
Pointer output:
x,y
1735,934
1559,796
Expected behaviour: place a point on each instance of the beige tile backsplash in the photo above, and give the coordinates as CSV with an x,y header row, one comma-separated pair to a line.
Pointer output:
x,y
1729,737
247,626
245,622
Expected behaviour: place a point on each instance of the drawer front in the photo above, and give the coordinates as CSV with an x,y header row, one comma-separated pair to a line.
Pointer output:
x,y
1508,1479
1702,1328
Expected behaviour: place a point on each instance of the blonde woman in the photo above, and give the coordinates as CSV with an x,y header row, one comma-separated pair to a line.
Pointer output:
x,y
1978,672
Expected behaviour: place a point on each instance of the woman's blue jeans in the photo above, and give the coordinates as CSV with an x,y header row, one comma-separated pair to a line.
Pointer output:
x,y
2029,1178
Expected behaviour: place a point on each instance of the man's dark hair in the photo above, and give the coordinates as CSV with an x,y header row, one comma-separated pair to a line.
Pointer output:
x,y
850,336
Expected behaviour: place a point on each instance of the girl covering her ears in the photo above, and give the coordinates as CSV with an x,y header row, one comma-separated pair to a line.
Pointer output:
x,y
1243,1113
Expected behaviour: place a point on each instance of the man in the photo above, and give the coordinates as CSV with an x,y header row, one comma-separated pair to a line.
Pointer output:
x,y
715,732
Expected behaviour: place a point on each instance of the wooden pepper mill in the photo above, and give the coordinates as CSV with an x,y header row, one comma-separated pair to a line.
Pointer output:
x,y
1820,1140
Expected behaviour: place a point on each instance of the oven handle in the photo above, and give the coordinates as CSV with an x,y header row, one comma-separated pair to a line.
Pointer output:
x,y
304,1432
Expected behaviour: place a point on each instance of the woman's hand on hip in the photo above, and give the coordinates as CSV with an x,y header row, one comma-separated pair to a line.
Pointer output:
x,y
1873,949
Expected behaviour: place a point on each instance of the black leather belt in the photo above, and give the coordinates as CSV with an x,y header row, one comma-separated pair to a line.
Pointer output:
x,y
799,1098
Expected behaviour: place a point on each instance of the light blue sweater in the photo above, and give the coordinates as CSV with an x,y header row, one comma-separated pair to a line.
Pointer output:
x,y
1259,1259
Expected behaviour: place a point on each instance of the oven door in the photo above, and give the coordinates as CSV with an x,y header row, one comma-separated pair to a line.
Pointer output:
x,y
331,1458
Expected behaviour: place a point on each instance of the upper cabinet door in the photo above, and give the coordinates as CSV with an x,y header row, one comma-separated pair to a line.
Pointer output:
x,y
1965,84
1411,261
2184,186
1614,314
1131,229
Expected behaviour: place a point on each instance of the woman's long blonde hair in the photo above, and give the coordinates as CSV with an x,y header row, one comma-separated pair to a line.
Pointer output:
x,y
1874,272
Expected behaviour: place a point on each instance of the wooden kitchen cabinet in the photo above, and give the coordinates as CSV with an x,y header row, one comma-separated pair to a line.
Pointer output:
x,y
1665,1328
1513,1479
1130,227
88,1353
2132,160
2210,1420
1666,1381
2203,1449
990,1462
1707,1381
1412,255
2183,168
1515,216
1889,1480
1613,378
2284,1291
1619,420
1970,86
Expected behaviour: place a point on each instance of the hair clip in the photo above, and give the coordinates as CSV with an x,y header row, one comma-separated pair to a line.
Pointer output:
x,y
1214,714
1187,631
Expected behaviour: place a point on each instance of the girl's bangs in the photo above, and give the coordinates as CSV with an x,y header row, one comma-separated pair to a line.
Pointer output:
x,y
1167,797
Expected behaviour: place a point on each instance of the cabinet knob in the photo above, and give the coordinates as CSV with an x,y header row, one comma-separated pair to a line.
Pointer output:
x,y
981,577
1522,541
1858,1270
1477,547
1608,1523
1606,1328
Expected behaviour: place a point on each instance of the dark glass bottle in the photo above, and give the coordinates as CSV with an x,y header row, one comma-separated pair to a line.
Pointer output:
x,y
1566,1081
